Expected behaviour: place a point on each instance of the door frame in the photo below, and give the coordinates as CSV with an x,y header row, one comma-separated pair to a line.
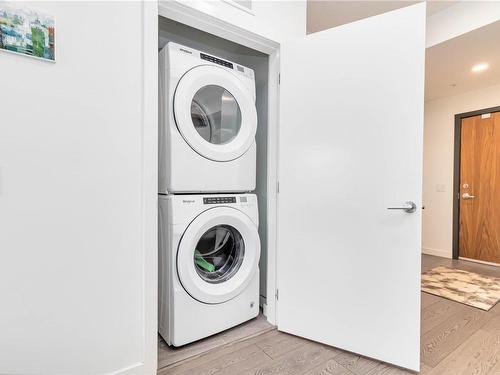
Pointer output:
x,y
178,11
456,173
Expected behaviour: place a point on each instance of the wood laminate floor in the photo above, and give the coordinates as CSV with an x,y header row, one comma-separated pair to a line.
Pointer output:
x,y
456,340
170,356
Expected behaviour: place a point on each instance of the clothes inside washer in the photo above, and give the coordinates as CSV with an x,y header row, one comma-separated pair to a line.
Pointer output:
x,y
200,261
219,254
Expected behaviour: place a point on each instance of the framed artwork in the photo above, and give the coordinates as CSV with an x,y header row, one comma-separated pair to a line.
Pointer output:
x,y
27,31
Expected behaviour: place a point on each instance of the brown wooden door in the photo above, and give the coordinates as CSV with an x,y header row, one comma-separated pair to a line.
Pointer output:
x,y
479,235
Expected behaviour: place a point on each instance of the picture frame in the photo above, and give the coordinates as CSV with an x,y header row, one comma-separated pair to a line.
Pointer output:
x,y
27,31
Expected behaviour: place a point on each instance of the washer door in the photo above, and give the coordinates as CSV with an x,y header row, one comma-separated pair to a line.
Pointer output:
x,y
218,255
215,113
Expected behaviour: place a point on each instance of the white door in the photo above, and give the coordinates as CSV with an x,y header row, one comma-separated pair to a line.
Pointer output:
x,y
350,148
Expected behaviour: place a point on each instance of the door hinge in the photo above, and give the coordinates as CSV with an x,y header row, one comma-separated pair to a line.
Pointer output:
x,y
279,78
278,187
277,294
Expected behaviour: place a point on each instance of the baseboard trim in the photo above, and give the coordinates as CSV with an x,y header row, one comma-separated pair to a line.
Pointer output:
x,y
480,261
437,252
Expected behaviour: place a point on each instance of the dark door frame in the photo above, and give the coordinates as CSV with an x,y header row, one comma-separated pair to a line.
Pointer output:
x,y
456,172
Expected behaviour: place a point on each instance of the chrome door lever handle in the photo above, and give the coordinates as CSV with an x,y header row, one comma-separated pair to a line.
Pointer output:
x,y
468,196
409,207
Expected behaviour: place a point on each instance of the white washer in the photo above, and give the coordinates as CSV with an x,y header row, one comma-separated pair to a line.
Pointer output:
x,y
207,123
209,251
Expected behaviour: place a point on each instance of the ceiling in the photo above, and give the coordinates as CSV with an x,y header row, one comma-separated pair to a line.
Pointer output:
x,y
324,14
448,65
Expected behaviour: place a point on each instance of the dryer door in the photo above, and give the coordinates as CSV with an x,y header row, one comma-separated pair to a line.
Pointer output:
x,y
218,255
215,113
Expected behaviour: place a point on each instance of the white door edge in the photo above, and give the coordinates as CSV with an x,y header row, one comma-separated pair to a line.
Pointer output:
x,y
150,189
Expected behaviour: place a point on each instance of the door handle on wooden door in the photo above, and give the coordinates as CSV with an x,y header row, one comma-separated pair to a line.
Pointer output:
x,y
468,196
409,207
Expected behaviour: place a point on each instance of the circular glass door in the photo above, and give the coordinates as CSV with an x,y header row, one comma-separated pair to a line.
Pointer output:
x,y
218,255
215,113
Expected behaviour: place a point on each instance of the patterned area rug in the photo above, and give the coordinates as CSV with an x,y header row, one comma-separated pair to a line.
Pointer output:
x,y
461,286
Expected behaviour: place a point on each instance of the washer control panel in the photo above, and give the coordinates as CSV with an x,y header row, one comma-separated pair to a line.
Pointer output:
x,y
219,200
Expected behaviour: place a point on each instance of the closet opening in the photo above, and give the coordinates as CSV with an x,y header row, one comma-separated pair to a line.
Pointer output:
x,y
214,109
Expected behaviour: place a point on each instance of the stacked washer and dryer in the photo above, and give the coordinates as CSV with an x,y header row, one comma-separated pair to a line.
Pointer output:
x,y
209,246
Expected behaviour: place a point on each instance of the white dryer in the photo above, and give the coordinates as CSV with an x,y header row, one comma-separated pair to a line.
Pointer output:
x,y
207,123
209,251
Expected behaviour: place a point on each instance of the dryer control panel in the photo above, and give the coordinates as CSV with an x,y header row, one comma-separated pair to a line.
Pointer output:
x,y
216,60
219,200
235,67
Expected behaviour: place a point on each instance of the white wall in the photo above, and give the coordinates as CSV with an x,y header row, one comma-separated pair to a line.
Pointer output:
x,y
75,243
438,164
